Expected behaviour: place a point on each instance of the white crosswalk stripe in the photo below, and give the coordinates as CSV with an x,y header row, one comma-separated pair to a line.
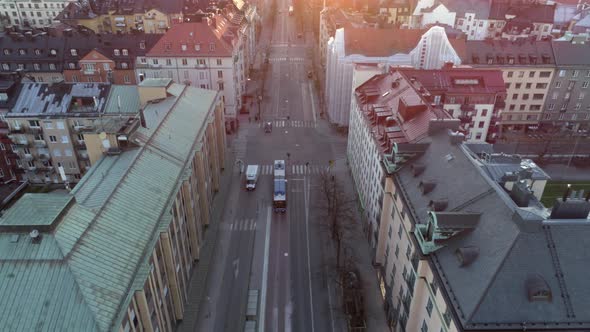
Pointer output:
x,y
243,224
297,169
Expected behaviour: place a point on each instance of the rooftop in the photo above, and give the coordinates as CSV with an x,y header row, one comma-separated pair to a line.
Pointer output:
x,y
458,80
532,12
85,271
34,210
570,54
503,52
391,41
205,39
486,248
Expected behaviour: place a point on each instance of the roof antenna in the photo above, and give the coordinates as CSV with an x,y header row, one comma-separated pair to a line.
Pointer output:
x,y
567,192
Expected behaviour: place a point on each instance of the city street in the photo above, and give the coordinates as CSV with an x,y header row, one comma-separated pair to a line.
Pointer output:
x,y
280,255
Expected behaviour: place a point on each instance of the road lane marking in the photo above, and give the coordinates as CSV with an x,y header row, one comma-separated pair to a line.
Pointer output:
x,y
306,198
264,273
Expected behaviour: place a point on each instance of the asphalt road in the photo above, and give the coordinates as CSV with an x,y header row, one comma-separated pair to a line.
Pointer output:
x,y
278,254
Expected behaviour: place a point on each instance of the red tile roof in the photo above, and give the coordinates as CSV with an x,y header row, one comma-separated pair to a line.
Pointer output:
x,y
458,80
398,112
198,39
380,42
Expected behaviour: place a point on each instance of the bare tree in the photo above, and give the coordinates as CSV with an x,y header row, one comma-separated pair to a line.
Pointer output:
x,y
338,213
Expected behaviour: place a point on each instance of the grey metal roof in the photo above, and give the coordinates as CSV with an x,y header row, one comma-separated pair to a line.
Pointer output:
x,y
122,99
497,170
156,82
490,293
569,54
481,8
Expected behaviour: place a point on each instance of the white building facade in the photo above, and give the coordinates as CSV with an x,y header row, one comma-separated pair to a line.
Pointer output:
x,y
431,51
33,13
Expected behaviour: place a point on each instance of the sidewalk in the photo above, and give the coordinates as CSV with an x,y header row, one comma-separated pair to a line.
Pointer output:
x,y
373,302
200,275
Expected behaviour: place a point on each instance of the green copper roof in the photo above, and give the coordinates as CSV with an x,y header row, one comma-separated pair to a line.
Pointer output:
x,y
122,99
35,210
156,82
99,252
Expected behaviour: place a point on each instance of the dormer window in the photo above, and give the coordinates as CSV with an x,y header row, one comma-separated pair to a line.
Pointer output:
x,y
20,66
117,52
6,51
72,65
183,47
53,52
125,52
168,46
22,51
74,52
197,47
37,51
211,47
124,65
5,66
142,45
36,66
52,66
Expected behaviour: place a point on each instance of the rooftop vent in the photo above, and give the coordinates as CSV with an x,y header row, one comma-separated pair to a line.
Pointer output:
x,y
426,186
575,207
417,169
35,236
537,289
467,255
521,193
456,137
438,205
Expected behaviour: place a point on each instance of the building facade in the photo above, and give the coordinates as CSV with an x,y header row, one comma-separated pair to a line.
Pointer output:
x,y
135,281
208,55
48,122
416,48
568,99
28,13
528,68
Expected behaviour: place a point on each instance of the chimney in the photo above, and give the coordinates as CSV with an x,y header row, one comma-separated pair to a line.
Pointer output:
x,y
35,236
567,192
456,137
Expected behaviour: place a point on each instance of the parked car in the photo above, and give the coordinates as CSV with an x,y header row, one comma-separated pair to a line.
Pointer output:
x,y
268,127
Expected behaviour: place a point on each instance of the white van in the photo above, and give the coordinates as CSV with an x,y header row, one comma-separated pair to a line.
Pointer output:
x,y
252,173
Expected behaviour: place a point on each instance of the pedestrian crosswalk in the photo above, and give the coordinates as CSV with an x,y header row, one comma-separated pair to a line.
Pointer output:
x,y
294,59
242,224
290,124
295,169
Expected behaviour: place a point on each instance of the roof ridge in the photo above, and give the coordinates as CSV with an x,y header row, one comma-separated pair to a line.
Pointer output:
x,y
489,284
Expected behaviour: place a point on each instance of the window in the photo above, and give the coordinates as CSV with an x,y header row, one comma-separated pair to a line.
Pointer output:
x,y
555,95
397,251
576,73
551,107
155,61
124,65
481,124
184,62
515,96
545,74
531,74
186,74
581,95
64,139
429,306
5,66
220,86
521,74
535,108
168,62
126,79
34,123
447,316
197,47
75,78
60,125
125,52
517,85
521,107
408,251
52,138
212,47
578,106
510,74
528,85
117,52
80,137
143,60
219,74
68,152
106,66
424,327
561,73
20,66
507,85
22,51
525,96
52,66
201,75
36,66
585,85
389,231
219,62
399,231
567,96
142,45
434,287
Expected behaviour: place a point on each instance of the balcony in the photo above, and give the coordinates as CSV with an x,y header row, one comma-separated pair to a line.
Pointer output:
x,y
155,65
17,130
83,128
20,141
28,157
44,156
39,144
83,155
80,145
200,66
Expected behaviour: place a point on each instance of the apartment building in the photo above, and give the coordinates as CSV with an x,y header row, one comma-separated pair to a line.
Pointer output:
x,y
462,258
386,110
129,17
31,13
528,68
9,170
96,258
48,122
53,56
568,100
208,55
396,12
522,19
474,96
404,47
